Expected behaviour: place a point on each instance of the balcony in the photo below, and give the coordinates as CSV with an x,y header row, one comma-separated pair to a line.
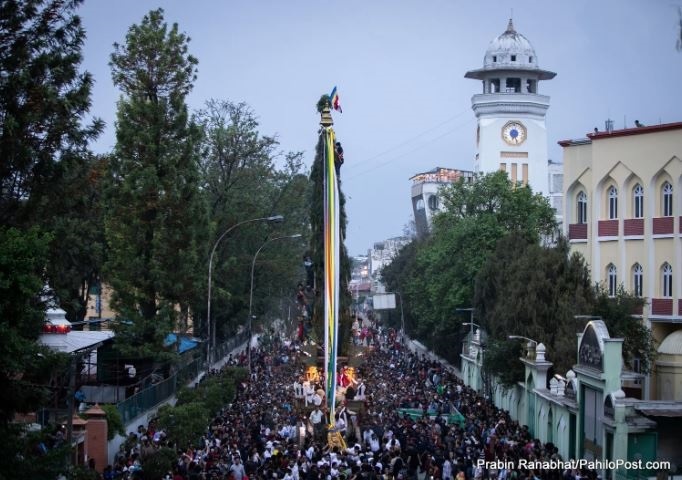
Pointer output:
x,y
577,231
633,227
607,228
662,306
663,225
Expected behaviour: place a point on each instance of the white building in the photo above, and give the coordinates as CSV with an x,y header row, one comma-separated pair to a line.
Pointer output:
x,y
511,134
383,253
425,200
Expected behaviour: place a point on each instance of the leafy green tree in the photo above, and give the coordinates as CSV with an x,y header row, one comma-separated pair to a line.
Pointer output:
x,y
26,367
155,215
243,176
115,425
185,423
159,464
396,276
442,274
618,313
22,259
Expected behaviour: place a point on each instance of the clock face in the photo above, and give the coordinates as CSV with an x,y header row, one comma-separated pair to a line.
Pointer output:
x,y
514,133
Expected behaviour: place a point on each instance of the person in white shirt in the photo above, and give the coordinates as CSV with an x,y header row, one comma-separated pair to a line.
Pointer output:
x,y
447,469
317,421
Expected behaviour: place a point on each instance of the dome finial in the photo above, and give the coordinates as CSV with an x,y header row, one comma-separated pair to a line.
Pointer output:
x,y
510,26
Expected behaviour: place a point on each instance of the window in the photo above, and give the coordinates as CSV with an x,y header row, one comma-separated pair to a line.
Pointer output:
x,y
513,58
638,196
613,279
667,280
582,208
637,279
667,200
530,59
494,85
494,58
613,202
513,85
433,202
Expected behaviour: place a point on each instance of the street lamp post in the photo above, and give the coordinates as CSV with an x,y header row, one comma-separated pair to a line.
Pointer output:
x,y
211,328
531,343
470,322
253,268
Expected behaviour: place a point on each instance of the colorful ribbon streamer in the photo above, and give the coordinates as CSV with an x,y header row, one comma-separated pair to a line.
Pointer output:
x,y
332,241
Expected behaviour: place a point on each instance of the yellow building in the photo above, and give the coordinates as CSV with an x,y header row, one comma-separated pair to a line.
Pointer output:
x,y
623,213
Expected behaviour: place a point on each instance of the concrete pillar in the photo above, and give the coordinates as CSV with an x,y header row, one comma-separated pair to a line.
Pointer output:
x,y
96,442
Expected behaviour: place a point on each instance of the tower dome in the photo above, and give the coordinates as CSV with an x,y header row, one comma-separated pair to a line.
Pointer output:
x,y
510,50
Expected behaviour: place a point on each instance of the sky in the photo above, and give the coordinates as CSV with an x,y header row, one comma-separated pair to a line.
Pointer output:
x,y
399,68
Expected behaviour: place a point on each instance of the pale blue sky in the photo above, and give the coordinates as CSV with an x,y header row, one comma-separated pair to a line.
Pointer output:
x,y
399,67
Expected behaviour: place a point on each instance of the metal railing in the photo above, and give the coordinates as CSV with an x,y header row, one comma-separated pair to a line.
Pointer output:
x,y
150,397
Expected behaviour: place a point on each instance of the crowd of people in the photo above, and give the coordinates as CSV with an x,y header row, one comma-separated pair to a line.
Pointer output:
x,y
268,433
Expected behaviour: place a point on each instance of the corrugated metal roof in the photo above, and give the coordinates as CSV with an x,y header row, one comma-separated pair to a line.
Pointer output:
x,y
74,341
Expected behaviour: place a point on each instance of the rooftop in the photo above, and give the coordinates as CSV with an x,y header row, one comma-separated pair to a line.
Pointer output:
x,y
625,132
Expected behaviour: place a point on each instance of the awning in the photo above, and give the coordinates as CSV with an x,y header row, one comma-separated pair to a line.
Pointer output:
x,y
185,344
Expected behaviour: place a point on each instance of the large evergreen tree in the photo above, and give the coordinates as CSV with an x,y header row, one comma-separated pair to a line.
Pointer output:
x,y
154,213
43,100
532,290
44,172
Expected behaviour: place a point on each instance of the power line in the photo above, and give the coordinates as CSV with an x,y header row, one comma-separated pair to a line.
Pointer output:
x,y
409,140
419,147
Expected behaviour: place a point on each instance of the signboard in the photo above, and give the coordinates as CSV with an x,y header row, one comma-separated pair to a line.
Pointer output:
x,y
384,301
590,353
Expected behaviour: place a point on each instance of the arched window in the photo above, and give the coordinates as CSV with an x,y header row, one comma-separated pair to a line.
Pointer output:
x,y
637,279
613,202
638,200
667,272
667,205
582,207
613,279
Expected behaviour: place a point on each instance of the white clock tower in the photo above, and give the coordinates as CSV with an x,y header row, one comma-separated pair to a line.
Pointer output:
x,y
511,134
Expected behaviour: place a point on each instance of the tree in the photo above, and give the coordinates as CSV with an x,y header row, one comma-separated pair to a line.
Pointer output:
x,y
317,248
396,276
43,140
441,277
25,366
241,179
619,315
534,291
538,291
43,99
154,211
74,215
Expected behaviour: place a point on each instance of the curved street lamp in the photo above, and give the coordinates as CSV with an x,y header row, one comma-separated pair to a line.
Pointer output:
x,y
211,328
530,346
253,268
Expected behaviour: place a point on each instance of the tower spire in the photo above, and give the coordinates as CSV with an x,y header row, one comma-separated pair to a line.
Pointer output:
x,y
510,26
